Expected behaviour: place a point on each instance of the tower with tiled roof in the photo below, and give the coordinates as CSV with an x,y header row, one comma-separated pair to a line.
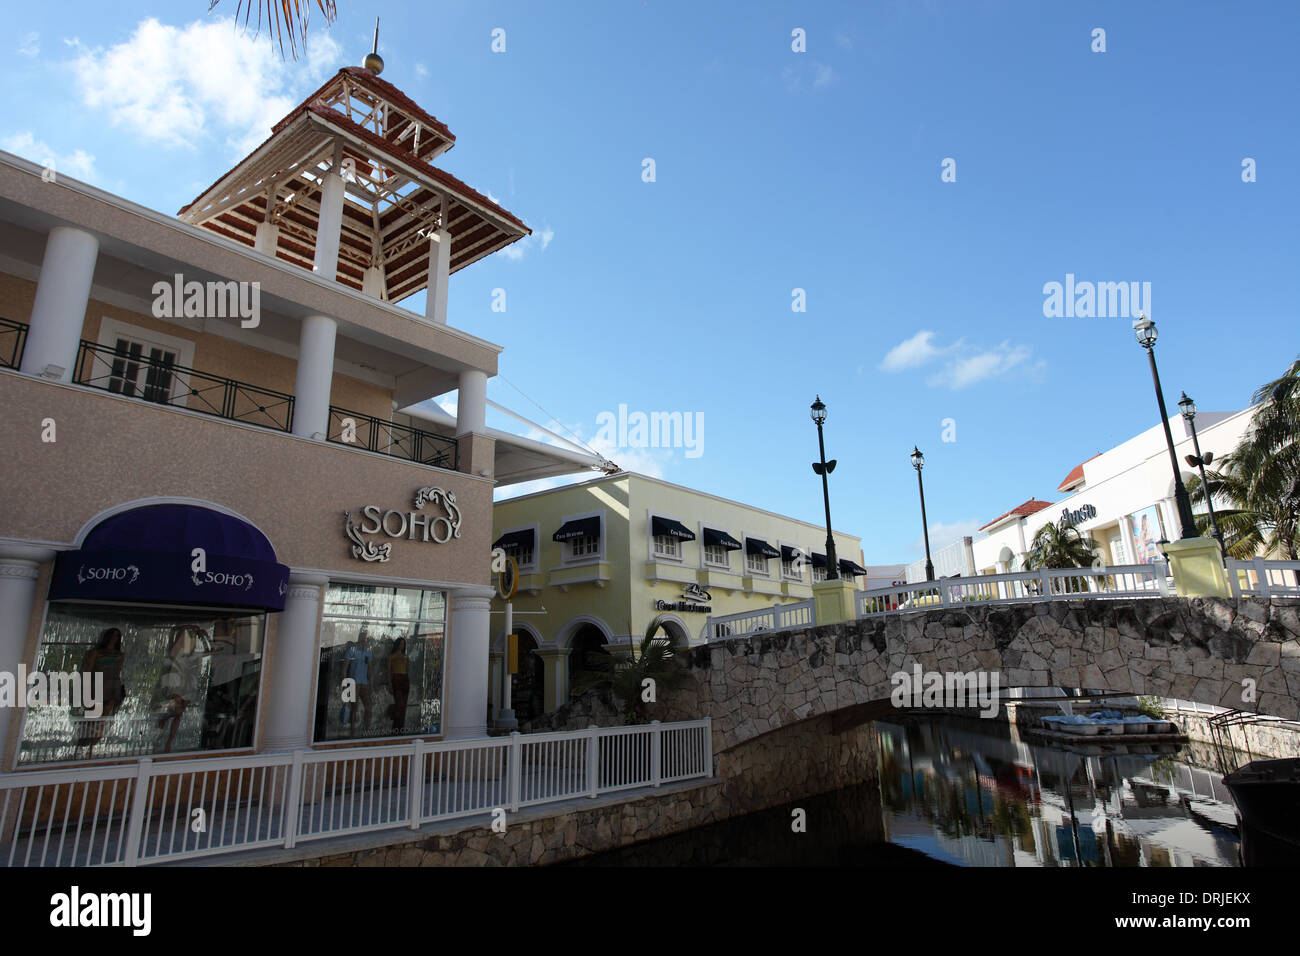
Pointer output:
x,y
346,186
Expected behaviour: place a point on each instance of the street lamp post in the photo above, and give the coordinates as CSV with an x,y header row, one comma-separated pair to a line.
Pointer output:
x,y
1145,330
824,468
1200,461
918,462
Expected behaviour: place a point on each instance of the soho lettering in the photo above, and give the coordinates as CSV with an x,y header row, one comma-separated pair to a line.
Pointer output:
x,y
403,524
1078,515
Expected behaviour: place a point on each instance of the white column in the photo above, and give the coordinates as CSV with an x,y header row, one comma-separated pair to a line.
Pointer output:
x,y
62,292
286,706
465,696
372,283
311,402
268,236
1024,549
1126,534
17,594
329,225
471,402
435,303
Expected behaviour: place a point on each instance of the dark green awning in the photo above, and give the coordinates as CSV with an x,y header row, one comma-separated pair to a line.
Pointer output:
x,y
667,527
720,539
578,528
759,546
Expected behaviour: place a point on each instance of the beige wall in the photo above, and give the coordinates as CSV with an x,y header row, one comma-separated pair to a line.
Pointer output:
x,y
212,353
111,450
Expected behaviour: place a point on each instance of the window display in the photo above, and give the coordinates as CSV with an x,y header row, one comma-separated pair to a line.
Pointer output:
x,y
381,663
173,680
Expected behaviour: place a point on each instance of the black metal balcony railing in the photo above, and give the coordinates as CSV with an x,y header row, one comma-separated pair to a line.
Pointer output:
x,y
13,335
389,438
156,378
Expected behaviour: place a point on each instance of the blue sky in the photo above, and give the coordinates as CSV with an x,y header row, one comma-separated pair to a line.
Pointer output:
x,y
778,170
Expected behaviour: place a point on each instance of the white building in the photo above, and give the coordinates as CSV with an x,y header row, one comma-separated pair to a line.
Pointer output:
x,y
1123,499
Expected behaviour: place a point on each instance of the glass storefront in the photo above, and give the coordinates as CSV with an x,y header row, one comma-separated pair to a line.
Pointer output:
x,y
381,663
170,679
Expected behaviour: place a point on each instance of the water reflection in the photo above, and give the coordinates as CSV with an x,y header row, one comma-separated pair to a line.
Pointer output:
x,y
978,794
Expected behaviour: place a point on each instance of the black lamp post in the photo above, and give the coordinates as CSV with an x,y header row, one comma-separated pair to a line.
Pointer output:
x,y
824,468
1200,461
1145,330
918,462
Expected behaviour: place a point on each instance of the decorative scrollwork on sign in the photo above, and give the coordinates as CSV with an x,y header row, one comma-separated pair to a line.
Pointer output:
x,y
363,548
448,501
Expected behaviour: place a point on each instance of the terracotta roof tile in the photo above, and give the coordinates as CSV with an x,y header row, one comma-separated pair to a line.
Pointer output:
x,y
1030,507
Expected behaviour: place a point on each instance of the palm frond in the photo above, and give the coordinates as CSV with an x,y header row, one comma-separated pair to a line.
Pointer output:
x,y
284,18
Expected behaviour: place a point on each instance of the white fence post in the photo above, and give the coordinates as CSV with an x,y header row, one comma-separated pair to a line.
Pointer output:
x,y
515,770
1162,578
292,811
656,743
1261,570
131,853
593,762
415,784
1044,585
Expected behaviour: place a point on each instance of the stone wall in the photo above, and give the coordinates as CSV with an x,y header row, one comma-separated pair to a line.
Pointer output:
x,y
796,763
1196,649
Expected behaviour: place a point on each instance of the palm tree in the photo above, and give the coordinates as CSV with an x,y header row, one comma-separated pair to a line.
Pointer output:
x,y
654,659
1260,478
283,16
1060,545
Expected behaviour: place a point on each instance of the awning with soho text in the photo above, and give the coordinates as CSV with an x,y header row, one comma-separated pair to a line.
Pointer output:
x,y
667,527
578,528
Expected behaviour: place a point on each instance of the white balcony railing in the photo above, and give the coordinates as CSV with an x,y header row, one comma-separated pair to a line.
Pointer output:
x,y
775,618
1264,578
164,812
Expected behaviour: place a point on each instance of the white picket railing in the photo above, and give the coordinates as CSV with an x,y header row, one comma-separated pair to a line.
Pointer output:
x,y
1264,578
1047,584
180,809
775,618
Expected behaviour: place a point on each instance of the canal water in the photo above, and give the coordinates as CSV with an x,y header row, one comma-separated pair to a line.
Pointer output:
x,y
979,793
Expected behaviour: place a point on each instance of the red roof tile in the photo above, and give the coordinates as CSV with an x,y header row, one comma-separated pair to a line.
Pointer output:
x,y
1030,507
1075,474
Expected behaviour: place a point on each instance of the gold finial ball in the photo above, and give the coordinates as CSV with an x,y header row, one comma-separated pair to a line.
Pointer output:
x,y
374,63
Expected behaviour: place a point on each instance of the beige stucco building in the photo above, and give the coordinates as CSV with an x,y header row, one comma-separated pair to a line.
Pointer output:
x,y
220,497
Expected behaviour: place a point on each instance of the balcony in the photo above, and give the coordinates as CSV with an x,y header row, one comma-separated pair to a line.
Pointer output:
x,y
156,379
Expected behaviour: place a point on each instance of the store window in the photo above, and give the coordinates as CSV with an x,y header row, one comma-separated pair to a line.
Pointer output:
x,y
170,679
819,573
381,662
666,546
716,555
585,546
756,563
522,554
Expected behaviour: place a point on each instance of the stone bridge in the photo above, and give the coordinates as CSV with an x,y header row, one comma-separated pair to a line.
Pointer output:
x,y
1199,649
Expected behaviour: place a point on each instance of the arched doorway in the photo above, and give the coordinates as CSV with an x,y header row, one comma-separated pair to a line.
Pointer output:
x,y
588,659
528,684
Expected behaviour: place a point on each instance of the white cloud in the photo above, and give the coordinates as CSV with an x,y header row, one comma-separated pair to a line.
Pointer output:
x,y
823,75
963,364
911,352
421,70
78,164
172,86
538,240
843,41
30,44
818,75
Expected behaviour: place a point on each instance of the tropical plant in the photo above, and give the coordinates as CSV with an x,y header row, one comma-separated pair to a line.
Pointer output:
x,y
1260,478
653,659
283,16
1060,545
1151,707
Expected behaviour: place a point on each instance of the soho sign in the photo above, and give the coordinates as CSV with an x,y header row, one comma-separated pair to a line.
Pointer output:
x,y
438,528
1078,515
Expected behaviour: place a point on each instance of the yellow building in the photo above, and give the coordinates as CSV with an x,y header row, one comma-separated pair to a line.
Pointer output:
x,y
599,560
